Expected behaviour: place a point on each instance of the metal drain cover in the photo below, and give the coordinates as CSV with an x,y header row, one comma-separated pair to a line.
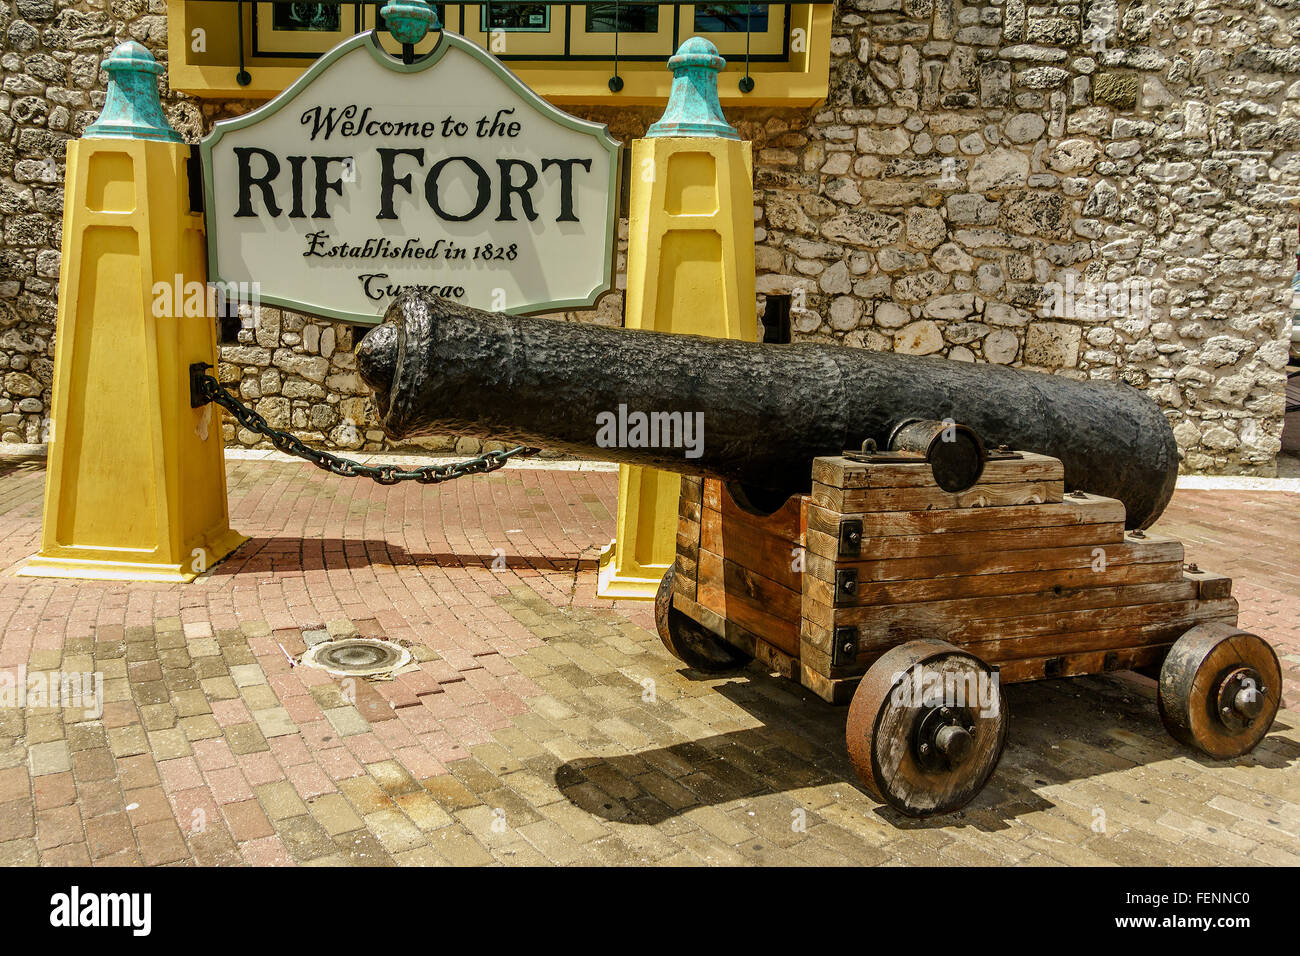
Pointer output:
x,y
357,657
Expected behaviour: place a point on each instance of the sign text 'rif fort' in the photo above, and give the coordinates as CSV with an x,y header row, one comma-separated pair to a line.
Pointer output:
x,y
370,175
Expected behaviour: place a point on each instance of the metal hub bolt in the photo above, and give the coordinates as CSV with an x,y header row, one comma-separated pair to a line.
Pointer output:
x,y
944,738
1241,697
1248,702
954,742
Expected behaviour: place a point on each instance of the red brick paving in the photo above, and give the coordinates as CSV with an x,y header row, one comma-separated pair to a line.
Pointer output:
x,y
232,774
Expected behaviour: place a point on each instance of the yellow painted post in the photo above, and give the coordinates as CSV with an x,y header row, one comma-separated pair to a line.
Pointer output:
x,y
690,269
136,486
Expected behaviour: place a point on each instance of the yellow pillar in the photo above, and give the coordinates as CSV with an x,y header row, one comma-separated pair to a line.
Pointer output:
x,y
690,269
135,487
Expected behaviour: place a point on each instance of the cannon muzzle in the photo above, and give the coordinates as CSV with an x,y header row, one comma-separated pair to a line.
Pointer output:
x,y
745,412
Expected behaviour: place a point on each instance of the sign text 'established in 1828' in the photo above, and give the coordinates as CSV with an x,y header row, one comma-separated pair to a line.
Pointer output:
x,y
368,176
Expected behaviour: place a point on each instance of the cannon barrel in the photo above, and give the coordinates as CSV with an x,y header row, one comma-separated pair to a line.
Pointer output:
x,y
763,411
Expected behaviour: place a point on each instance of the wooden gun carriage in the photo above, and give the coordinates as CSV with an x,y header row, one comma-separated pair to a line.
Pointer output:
x,y
879,583
904,582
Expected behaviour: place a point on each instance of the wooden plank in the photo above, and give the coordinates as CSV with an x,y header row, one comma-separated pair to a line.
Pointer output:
x,y
776,660
1089,509
1025,627
684,580
761,605
934,497
1086,662
716,624
1210,585
987,585
1150,549
1017,638
785,523
839,690
839,472
688,548
891,547
831,690
688,538
746,584
1161,632
752,547
938,614
818,661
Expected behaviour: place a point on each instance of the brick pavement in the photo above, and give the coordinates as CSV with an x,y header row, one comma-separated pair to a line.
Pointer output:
x,y
542,725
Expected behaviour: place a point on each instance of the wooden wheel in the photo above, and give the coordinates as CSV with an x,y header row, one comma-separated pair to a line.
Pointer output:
x,y
688,641
926,727
1219,690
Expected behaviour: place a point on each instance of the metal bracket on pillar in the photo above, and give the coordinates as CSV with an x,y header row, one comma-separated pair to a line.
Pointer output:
x,y
409,21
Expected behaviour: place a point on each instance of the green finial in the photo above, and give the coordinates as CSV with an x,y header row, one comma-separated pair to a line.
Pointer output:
x,y
409,20
693,108
132,109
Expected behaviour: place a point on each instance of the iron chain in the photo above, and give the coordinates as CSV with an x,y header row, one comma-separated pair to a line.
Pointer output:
x,y
210,390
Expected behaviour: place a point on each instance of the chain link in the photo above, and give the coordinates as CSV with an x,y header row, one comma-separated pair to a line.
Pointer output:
x,y
213,391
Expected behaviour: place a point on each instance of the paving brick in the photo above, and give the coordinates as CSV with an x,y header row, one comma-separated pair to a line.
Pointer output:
x,y
21,852
449,792
147,805
161,842
246,739
521,736
58,826
16,820
394,830
53,790
267,851
108,835
335,814
304,838
393,777
280,800
362,848
460,849
51,757
424,811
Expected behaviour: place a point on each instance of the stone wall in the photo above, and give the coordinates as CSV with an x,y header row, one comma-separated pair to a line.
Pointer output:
x,y
1102,191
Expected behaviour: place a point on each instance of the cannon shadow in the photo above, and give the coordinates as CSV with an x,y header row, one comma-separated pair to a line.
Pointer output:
x,y
260,554
1061,731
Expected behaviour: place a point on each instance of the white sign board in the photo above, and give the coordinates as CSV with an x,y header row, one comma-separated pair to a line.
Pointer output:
x,y
369,175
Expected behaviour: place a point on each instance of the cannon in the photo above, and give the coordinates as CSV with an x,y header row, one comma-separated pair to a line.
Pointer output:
x,y
767,410
901,534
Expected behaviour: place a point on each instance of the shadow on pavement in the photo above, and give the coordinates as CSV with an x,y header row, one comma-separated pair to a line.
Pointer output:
x,y
288,553
1060,731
